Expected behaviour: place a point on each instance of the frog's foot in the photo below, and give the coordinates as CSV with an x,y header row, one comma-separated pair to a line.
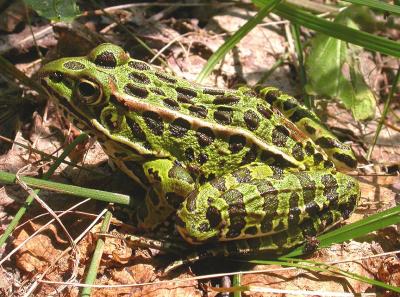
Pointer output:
x,y
165,246
309,123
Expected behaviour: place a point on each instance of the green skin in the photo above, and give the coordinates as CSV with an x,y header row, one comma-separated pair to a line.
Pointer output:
x,y
231,164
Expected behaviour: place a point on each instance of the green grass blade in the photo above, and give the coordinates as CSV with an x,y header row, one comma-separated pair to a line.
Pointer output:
x,y
98,252
357,229
236,283
30,198
384,113
363,39
380,5
268,6
9,178
308,102
322,267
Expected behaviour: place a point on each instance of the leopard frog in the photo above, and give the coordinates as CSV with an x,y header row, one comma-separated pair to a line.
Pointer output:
x,y
226,164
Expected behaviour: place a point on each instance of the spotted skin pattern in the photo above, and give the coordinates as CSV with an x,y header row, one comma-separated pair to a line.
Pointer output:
x,y
245,167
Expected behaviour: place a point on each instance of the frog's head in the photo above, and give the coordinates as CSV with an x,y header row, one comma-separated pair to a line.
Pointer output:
x,y
82,86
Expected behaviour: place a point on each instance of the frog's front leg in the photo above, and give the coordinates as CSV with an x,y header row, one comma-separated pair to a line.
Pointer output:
x,y
167,183
254,202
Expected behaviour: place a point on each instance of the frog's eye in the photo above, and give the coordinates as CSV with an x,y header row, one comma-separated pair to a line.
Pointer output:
x,y
108,55
88,92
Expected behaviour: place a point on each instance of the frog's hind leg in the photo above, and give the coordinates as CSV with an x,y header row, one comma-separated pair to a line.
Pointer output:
x,y
273,245
309,123
253,201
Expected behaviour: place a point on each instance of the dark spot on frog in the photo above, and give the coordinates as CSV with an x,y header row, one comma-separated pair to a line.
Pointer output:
x,y
346,159
329,143
308,229
236,143
205,136
165,78
226,100
328,218
278,161
139,65
223,115
280,227
219,184
106,59
236,211
328,164
330,189
308,185
290,104
312,208
310,129
185,95
266,224
242,175
154,122
154,174
250,156
137,91
297,152
309,149
318,158
137,132
213,215
139,77
179,127
298,115
265,111
251,119
202,158
189,154
74,65
157,91
211,91
271,96
172,104
280,135
198,110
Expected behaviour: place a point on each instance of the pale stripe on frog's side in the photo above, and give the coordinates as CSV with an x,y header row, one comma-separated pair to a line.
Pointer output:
x,y
232,164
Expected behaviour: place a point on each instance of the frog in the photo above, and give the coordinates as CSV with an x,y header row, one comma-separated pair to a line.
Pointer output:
x,y
248,165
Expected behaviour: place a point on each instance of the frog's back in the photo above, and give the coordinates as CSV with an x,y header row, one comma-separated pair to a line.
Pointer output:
x,y
211,130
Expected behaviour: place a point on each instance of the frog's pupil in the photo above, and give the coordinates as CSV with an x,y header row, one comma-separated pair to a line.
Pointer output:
x,y
86,89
